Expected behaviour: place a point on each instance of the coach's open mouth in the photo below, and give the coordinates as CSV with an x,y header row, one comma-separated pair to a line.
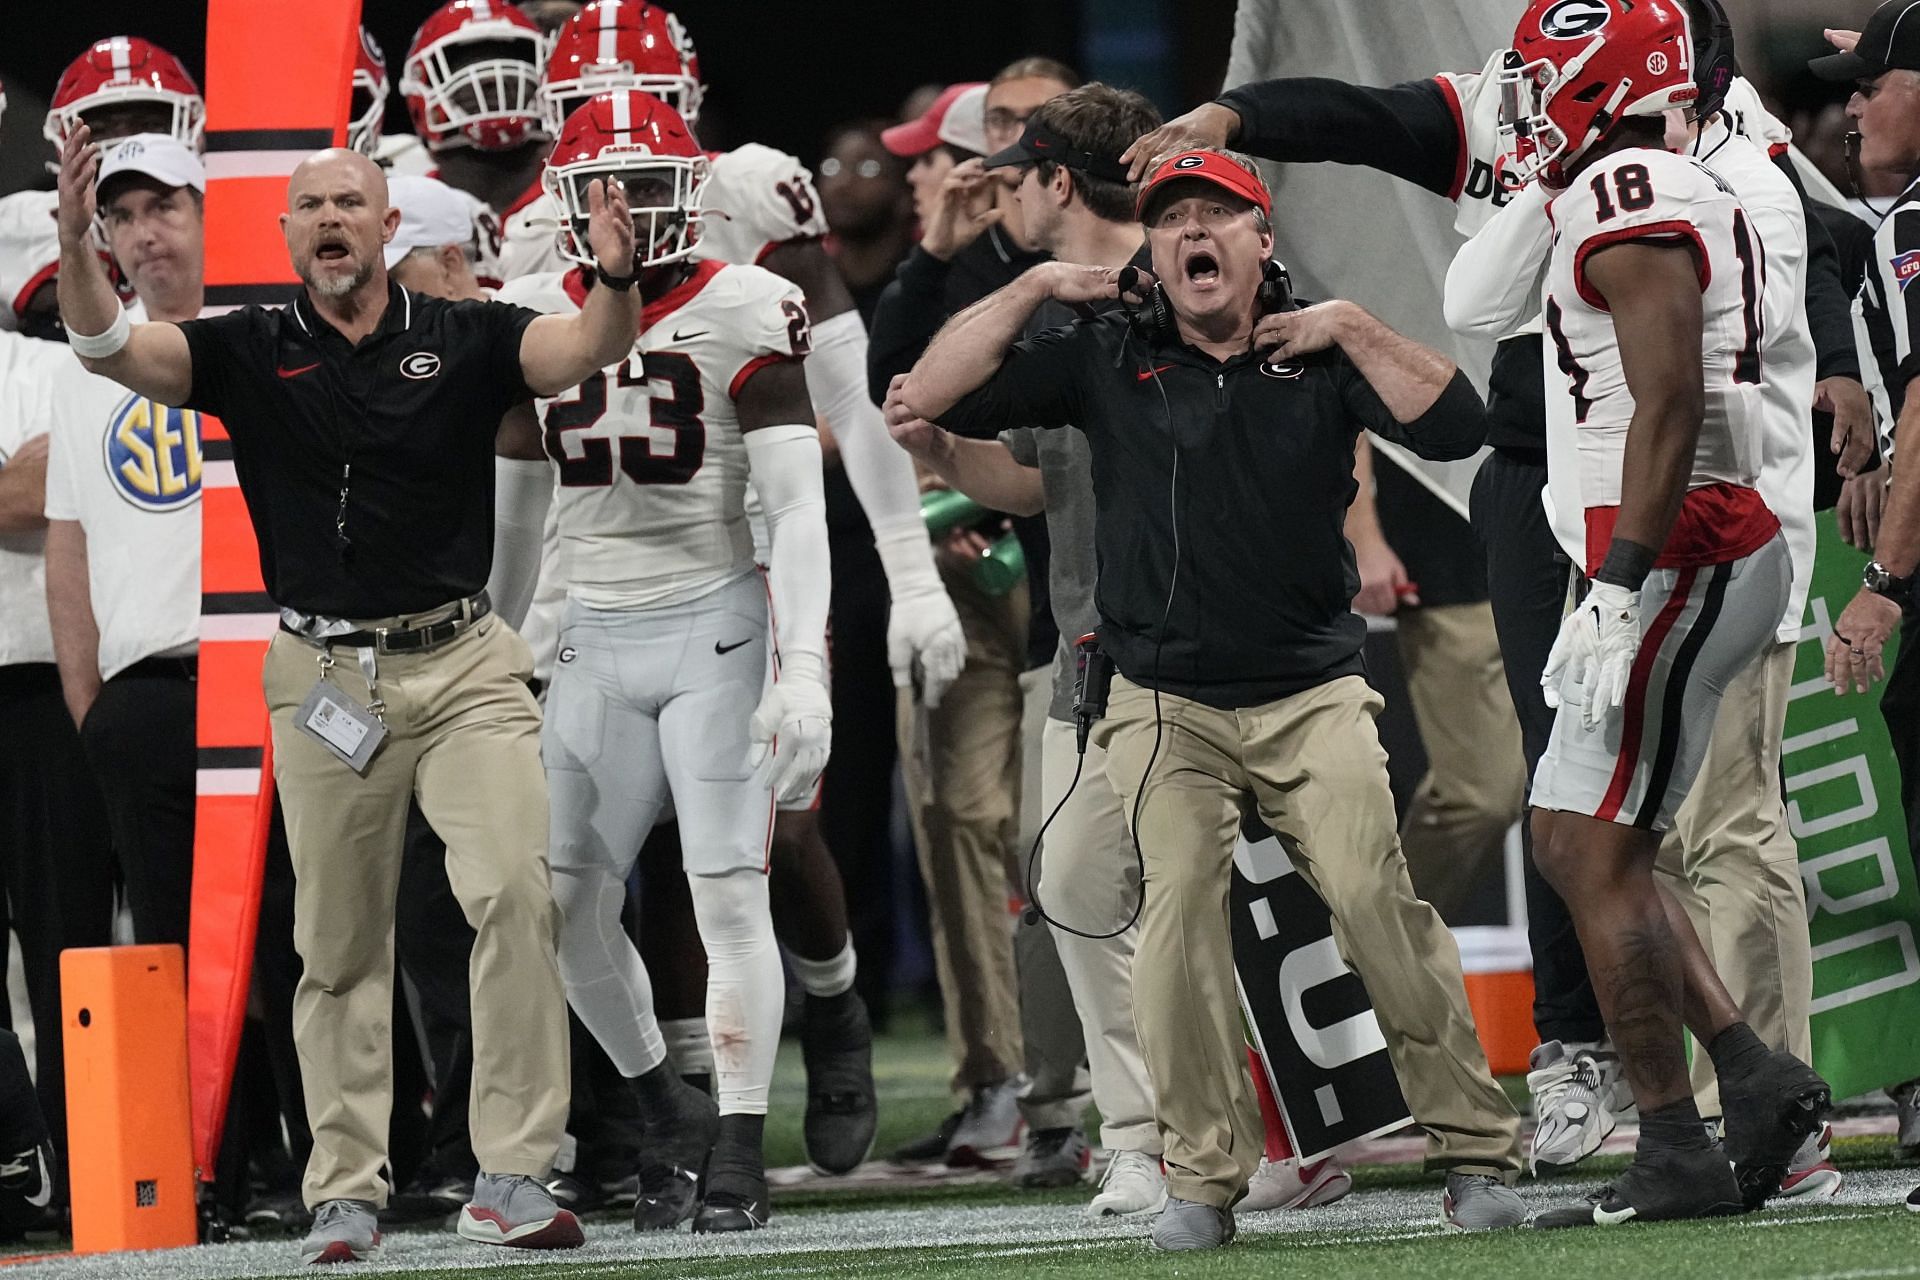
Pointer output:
x,y
332,250
1202,268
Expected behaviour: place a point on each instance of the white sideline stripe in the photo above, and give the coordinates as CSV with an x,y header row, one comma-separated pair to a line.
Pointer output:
x,y
227,782
239,626
253,164
219,474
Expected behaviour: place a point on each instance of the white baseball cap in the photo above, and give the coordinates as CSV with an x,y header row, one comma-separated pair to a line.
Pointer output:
x,y
156,155
432,214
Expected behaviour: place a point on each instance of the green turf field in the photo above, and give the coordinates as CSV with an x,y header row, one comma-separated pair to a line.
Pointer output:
x,y
980,1229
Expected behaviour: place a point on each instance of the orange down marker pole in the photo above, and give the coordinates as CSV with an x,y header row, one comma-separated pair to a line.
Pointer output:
x,y
130,1155
264,115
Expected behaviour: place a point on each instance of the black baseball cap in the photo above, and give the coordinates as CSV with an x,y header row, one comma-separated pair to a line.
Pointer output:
x,y
1890,41
1037,143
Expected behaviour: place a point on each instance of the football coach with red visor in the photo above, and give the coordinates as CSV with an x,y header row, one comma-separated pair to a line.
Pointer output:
x,y
363,419
1222,421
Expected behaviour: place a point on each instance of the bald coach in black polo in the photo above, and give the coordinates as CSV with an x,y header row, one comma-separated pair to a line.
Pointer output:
x,y
362,418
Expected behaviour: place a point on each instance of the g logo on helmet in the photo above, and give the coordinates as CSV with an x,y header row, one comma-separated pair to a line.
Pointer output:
x,y
420,365
153,454
1571,19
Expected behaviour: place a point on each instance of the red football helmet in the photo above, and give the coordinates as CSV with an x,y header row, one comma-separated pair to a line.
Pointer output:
x,y
367,119
620,44
1578,67
122,70
471,75
644,143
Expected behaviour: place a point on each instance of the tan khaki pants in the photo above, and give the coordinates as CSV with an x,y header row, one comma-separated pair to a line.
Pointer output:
x,y
1731,861
1455,831
1088,880
961,765
1314,767
465,738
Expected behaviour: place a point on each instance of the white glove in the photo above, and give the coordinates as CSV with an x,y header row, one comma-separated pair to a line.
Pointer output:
x,y
923,624
1592,657
792,728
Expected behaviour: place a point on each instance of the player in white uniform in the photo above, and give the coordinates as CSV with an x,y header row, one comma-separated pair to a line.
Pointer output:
x,y
658,689
1653,259
759,207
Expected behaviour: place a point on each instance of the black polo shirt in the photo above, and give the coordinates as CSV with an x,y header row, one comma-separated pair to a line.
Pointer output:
x,y
413,409
1221,487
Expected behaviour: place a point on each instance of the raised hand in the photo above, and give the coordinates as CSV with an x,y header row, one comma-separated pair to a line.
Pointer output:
x,y
610,226
79,163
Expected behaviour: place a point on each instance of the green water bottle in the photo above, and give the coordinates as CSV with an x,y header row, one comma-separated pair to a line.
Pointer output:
x,y
1002,567
945,510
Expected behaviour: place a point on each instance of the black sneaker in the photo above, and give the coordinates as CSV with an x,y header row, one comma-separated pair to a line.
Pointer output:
x,y
836,1043
28,1183
931,1149
1913,1200
1769,1113
1657,1187
673,1158
734,1202
579,1195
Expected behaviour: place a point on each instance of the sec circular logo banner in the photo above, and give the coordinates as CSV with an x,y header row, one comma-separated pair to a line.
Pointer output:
x,y
153,454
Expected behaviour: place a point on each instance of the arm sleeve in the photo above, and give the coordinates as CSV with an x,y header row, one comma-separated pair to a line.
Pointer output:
x,y
1037,385
1454,426
215,345
1411,131
1493,283
1024,444
879,470
784,462
1829,307
910,311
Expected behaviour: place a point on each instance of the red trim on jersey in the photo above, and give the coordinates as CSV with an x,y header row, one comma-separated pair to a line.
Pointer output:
x,y
1718,523
658,309
752,367
1779,149
1673,228
1452,95
525,198
1636,701
576,284
33,284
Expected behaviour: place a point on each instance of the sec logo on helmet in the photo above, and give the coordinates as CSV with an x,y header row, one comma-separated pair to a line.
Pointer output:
x,y
153,454
1571,19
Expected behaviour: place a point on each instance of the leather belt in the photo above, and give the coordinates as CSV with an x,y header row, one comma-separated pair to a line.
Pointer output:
x,y
455,618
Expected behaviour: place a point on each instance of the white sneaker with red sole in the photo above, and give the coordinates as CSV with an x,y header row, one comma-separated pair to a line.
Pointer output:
x,y
1288,1184
1812,1175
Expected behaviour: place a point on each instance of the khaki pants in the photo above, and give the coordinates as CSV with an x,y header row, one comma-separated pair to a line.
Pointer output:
x,y
465,738
961,765
1313,765
1731,861
1455,831
1088,881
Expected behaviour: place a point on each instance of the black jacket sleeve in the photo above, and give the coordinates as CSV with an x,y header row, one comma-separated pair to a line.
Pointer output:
x,y
1037,385
910,311
1454,425
1409,130
1829,304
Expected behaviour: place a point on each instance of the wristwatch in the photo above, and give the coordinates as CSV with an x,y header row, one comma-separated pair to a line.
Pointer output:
x,y
619,284
1882,583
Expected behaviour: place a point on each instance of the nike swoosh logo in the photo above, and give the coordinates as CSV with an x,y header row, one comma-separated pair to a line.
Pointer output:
x,y
1604,1218
44,1196
294,373
729,648
689,337
1144,374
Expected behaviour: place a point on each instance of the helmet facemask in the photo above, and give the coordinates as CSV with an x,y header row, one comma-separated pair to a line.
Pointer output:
x,y
561,98
663,194
479,92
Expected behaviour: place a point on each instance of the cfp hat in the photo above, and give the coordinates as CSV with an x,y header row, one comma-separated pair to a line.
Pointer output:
x,y
432,214
958,118
1209,166
1037,143
159,156
1890,41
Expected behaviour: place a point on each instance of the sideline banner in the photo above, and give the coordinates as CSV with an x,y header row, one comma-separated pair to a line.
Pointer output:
x,y
1863,902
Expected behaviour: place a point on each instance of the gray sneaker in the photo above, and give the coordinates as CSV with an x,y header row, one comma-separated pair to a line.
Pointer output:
x,y
1479,1202
990,1127
343,1231
1052,1158
1186,1224
518,1211
1906,1097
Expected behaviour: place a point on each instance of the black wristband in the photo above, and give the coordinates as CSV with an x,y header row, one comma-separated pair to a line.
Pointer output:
x,y
1627,564
619,284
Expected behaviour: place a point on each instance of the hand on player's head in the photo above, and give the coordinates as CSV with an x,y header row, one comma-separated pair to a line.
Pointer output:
x,y
1208,127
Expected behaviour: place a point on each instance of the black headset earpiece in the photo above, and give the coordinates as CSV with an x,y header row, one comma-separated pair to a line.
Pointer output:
x,y
1153,318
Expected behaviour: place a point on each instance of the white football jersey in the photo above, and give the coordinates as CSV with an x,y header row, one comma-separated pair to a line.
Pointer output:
x,y
1644,194
29,249
755,199
652,467
28,370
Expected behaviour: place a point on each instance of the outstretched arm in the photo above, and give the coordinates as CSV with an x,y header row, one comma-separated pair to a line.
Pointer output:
x,y
150,359
558,352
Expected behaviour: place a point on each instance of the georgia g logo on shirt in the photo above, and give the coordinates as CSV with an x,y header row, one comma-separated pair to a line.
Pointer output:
x,y
153,454
420,365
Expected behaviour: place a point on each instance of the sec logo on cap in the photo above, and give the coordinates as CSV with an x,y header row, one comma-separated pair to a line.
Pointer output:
x,y
421,364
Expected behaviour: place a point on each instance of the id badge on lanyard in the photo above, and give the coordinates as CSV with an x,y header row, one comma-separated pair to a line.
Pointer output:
x,y
331,716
